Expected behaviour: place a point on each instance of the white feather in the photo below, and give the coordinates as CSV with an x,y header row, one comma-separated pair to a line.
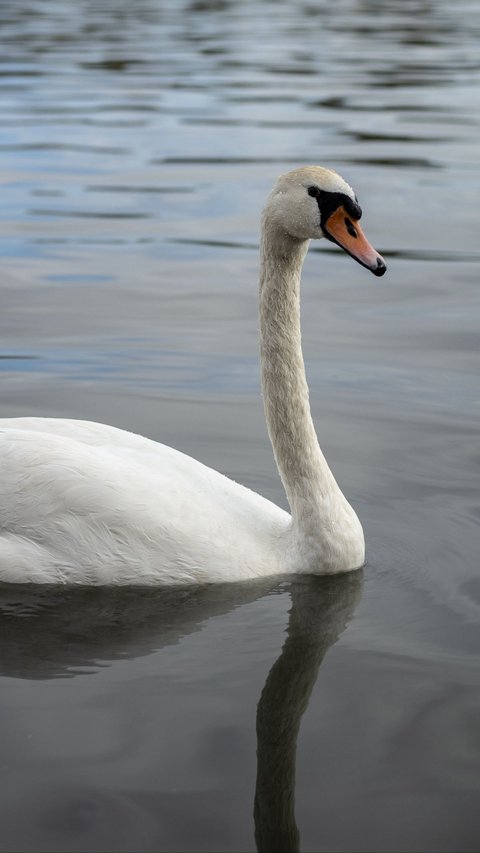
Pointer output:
x,y
88,503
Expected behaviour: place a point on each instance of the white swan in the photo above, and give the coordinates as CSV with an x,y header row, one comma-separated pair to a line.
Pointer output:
x,y
85,503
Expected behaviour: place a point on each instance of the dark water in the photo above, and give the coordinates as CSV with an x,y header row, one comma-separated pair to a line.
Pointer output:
x,y
138,141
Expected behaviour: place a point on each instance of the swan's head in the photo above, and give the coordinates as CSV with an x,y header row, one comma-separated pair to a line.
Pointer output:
x,y
314,202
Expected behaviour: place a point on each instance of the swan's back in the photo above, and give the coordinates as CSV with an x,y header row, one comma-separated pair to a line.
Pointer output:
x,y
88,503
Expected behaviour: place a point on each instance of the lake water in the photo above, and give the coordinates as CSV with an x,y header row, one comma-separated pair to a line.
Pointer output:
x,y
138,142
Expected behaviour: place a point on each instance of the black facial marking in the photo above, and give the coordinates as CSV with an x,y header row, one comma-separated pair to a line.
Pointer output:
x,y
353,208
329,202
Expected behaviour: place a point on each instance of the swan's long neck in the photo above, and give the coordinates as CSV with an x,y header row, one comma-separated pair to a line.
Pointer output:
x,y
316,502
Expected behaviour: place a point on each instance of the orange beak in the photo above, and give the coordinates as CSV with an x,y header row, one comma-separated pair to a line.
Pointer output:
x,y
340,228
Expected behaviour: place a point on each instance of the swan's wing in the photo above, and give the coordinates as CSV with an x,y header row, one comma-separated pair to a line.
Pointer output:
x,y
85,432
111,507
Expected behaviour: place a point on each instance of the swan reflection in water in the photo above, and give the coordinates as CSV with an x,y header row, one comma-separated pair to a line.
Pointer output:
x,y
51,632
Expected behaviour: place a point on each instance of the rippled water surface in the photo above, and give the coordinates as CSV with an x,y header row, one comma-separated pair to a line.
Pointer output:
x,y
138,142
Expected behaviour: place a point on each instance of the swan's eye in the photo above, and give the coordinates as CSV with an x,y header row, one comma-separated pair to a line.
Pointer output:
x,y
314,192
353,208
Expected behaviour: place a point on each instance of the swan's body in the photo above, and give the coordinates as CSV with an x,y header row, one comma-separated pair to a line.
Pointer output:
x,y
91,504
99,505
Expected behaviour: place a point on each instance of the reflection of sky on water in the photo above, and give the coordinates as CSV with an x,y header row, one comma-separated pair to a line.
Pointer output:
x,y
136,365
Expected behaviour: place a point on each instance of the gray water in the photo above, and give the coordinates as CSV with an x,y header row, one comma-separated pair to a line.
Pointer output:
x,y
138,142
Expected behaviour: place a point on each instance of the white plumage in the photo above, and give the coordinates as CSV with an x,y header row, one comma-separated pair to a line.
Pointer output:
x,y
87,503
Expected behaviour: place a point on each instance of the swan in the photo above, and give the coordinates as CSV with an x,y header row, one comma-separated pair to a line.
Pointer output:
x,y
86,503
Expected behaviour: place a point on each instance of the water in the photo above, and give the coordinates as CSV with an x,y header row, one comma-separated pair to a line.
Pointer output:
x,y
138,143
